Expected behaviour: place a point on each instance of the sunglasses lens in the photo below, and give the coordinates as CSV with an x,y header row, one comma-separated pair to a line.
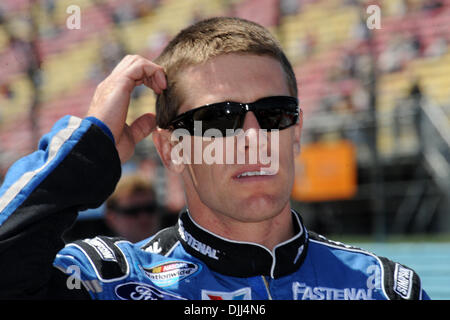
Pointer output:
x,y
275,119
218,117
276,113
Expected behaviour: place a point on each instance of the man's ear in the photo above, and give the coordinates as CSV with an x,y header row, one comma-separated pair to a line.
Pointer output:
x,y
165,147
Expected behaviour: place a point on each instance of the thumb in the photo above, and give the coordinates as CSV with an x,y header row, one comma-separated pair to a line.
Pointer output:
x,y
143,126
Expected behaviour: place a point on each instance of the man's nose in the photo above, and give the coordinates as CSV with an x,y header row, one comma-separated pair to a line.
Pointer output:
x,y
252,131
250,122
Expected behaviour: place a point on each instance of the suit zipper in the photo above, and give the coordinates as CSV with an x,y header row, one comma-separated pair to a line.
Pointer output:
x,y
266,284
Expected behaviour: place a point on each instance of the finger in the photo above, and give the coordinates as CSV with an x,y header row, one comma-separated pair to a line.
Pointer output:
x,y
149,83
157,76
131,65
141,69
160,78
143,126
152,85
124,63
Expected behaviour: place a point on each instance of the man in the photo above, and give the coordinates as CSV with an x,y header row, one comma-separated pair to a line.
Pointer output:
x,y
132,211
238,237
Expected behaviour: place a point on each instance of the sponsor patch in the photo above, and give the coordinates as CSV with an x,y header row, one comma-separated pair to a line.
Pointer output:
x,y
196,244
105,252
403,281
142,291
303,292
167,273
241,294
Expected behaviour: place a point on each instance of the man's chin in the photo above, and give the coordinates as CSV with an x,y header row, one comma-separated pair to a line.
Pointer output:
x,y
261,207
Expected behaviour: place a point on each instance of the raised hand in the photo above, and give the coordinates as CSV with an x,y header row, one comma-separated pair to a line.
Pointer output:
x,y
112,98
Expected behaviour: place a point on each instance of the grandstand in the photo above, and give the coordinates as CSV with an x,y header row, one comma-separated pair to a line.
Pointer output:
x,y
355,84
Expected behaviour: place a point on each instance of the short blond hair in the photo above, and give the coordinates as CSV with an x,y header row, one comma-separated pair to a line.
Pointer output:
x,y
207,39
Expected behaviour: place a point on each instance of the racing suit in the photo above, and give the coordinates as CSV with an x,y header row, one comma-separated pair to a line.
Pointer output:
x,y
77,167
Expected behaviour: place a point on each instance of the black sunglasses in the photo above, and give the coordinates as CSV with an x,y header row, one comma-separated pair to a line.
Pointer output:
x,y
149,208
272,113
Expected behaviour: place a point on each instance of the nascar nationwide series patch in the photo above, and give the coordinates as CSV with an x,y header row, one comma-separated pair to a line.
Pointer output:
x,y
170,272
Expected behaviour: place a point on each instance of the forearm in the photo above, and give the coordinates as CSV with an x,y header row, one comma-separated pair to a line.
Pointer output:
x,y
76,167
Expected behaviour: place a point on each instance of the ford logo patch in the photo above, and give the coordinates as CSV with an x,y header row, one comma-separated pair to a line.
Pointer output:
x,y
142,291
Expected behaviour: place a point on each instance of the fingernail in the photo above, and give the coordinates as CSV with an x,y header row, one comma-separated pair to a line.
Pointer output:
x,y
161,79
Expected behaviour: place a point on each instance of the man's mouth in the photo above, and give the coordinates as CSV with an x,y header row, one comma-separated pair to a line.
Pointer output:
x,y
255,173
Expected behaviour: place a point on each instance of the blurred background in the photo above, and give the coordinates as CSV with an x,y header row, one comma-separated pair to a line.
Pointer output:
x,y
374,89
